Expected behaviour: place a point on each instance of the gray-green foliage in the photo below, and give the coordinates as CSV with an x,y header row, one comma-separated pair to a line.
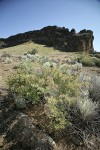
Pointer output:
x,y
95,88
8,60
36,83
88,108
20,102
33,52
88,60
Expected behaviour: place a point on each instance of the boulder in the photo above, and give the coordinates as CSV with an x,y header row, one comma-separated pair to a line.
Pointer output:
x,y
24,135
19,132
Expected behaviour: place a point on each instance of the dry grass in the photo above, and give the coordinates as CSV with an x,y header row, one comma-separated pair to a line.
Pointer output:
x,y
24,48
42,50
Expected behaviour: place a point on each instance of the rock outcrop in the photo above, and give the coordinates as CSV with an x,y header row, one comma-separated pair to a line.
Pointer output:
x,y
57,37
18,132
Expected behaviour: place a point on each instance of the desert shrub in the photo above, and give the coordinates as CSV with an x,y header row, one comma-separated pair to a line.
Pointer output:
x,y
38,84
33,52
50,64
22,66
84,120
94,89
88,60
5,54
64,68
57,111
97,62
56,114
91,142
75,68
16,66
44,59
83,116
2,59
24,57
30,57
24,86
88,108
47,64
56,79
97,55
8,60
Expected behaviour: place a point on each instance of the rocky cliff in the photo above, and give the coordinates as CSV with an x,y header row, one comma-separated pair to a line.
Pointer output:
x,y
57,37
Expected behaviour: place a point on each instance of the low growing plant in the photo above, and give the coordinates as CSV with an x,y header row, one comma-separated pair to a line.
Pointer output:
x,y
94,89
88,108
87,60
39,84
33,52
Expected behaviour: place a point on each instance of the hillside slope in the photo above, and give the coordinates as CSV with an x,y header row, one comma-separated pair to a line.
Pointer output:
x,y
47,100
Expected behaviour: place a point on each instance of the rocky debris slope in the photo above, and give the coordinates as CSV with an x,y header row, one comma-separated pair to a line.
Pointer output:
x,y
57,37
17,131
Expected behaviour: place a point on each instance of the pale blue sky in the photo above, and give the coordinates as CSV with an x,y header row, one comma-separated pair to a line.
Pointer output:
x,y
18,16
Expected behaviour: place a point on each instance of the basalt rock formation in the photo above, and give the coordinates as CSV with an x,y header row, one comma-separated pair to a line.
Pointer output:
x,y
57,37
17,131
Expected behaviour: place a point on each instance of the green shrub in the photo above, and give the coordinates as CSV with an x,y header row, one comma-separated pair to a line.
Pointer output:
x,y
38,84
87,61
33,52
56,113
8,60
97,62
94,89
5,54
97,55
47,78
88,108
85,119
25,86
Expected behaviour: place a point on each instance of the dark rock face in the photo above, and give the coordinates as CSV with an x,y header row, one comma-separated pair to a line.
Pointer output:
x,y
2,43
18,132
57,37
27,136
